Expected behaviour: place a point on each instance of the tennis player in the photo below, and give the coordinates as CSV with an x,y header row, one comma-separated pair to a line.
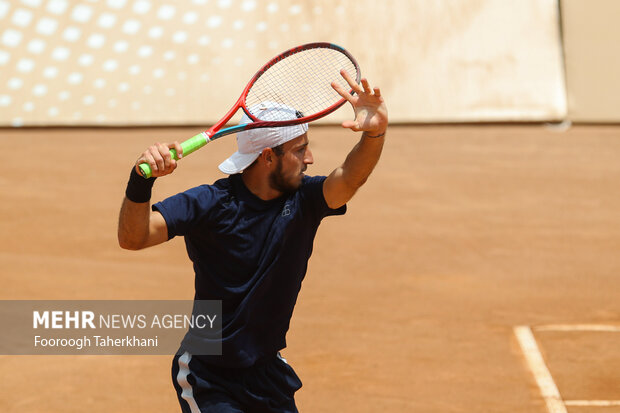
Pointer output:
x,y
249,237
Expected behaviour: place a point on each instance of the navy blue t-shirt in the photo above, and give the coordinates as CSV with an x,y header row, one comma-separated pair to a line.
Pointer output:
x,y
249,253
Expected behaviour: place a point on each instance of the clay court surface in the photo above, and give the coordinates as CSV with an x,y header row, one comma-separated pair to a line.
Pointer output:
x,y
410,301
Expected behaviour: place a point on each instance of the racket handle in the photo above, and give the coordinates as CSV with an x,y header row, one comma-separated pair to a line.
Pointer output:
x,y
191,145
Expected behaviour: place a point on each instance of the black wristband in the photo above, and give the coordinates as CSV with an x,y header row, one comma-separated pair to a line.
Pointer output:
x,y
373,137
139,189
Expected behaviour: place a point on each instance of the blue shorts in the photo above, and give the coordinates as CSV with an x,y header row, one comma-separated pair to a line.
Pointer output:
x,y
268,386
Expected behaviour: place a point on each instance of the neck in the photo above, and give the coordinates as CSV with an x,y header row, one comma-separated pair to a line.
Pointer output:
x,y
257,183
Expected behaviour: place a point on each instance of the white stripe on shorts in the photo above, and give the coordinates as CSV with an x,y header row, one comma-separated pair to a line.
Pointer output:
x,y
187,393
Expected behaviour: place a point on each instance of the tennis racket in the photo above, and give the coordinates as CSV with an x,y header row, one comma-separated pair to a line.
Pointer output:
x,y
299,78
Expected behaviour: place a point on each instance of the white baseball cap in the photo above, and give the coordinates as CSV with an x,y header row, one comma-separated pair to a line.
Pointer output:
x,y
251,142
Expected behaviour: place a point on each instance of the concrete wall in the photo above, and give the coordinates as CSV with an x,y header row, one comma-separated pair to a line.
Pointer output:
x,y
135,62
592,58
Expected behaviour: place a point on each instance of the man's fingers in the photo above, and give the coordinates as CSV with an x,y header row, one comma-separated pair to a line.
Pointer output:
x,y
344,93
377,92
366,86
148,158
159,158
346,76
351,124
177,147
160,155
164,150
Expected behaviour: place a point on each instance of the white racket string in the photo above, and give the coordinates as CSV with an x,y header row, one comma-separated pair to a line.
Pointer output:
x,y
303,81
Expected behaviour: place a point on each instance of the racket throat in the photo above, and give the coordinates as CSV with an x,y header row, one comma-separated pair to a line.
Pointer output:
x,y
206,136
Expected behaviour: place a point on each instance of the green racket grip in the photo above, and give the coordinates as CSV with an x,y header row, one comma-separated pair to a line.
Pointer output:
x,y
189,146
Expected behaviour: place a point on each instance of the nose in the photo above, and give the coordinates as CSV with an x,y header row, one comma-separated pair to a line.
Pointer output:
x,y
308,158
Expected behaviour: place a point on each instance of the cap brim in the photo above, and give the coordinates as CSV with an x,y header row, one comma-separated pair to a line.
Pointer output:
x,y
238,162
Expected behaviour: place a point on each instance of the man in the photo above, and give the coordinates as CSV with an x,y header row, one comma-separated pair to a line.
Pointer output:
x,y
250,237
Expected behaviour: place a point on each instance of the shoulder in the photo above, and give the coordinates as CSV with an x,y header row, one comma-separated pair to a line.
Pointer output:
x,y
311,191
312,180
219,188
201,196
198,204
311,186
223,184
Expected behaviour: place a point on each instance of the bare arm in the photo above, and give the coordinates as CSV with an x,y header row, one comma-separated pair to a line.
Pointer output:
x,y
138,226
371,118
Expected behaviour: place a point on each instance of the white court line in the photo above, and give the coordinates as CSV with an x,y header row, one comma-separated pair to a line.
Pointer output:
x,y
595,403
579,327
536,363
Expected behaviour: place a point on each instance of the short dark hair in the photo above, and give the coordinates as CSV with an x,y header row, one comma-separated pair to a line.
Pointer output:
x,y
278,150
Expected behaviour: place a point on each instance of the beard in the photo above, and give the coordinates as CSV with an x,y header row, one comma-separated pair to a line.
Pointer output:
x,y
279,182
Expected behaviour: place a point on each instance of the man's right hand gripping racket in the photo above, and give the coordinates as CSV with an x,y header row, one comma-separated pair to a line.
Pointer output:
x,y
299,78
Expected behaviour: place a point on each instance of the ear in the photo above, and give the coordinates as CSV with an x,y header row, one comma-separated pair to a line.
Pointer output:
x,y
268,156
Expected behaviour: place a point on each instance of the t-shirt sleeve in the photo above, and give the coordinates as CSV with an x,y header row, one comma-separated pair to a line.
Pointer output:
x,y
184,210
315,200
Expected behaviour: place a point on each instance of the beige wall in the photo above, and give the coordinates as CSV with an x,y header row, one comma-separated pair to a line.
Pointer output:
x,y
592,57
479,60
133,62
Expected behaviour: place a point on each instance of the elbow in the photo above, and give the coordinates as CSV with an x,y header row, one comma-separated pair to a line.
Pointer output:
x,y
127,246
130,245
